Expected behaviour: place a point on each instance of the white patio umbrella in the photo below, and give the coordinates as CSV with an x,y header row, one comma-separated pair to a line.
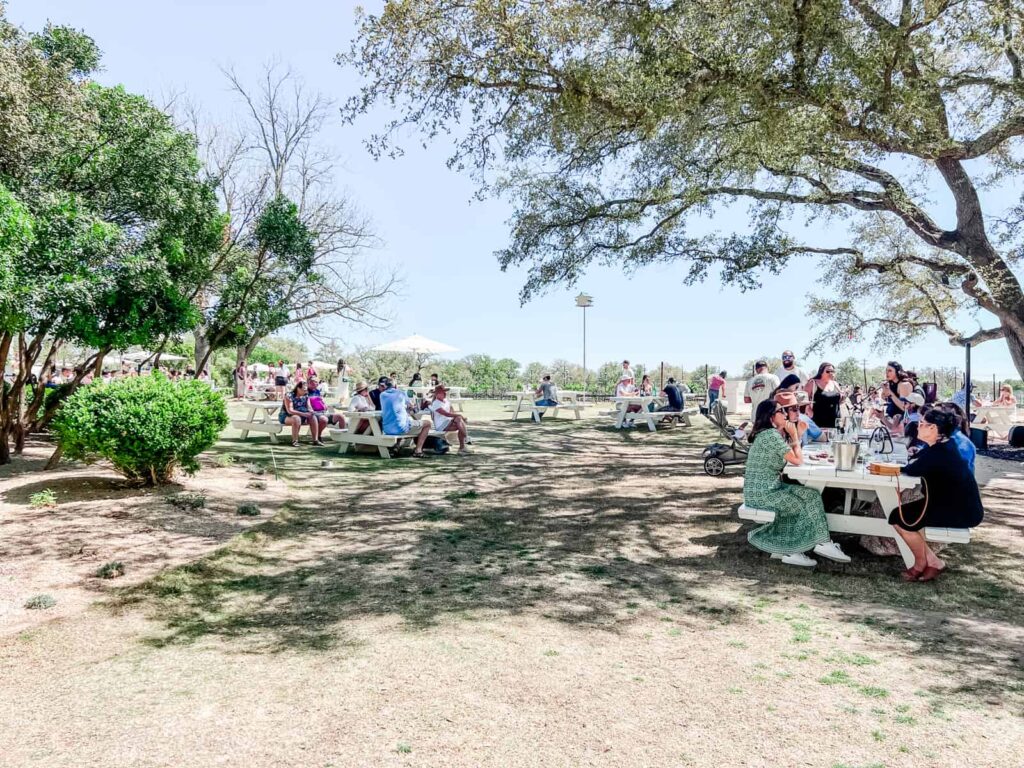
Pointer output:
x,y
417,345
144,355
322,365
259,367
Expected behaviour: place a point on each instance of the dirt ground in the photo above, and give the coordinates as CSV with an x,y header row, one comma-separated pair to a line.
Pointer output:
x,y
567,595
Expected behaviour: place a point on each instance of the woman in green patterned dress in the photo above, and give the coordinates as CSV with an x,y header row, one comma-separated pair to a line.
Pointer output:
x,y
800,522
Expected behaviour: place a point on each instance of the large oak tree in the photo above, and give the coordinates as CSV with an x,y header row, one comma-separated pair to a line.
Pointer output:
x,y
610,124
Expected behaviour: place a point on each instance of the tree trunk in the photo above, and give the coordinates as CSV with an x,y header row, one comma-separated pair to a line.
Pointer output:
x,y
202,348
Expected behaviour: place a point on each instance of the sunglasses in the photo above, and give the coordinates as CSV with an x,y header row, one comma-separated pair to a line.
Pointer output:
x,y
830,370
789,408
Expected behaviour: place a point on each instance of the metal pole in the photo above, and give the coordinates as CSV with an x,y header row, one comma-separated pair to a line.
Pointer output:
x,y
865,376
663,375
586,376
993,387
967,381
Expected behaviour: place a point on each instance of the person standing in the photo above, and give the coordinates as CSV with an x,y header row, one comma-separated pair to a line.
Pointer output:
x,y
716,387
344,380
241,379
789,366
825,396
280,378
760,386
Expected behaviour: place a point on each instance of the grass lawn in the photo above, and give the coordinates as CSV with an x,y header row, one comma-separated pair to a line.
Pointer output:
x,y
566,595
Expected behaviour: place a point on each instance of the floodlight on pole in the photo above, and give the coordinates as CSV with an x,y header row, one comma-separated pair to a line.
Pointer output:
x,y
583,301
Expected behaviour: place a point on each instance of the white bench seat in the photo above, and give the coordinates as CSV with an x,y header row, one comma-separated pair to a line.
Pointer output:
x,y
859,524
272,428
654,418
576,408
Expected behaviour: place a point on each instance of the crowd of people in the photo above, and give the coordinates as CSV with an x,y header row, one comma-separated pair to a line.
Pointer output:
x,y
791,410
430,417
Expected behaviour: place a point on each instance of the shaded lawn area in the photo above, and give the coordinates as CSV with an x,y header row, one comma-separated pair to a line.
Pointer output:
x,y
578,523
568,594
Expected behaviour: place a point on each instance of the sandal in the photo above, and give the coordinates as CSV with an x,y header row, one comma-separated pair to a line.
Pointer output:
x,y
419,455
913,574
930,573
319,442
295,443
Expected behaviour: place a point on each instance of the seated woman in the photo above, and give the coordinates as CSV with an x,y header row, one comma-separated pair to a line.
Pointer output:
x,y
962,435
319,407
1006,398
295,412
647,389
951,497
627,388
800,522
361,402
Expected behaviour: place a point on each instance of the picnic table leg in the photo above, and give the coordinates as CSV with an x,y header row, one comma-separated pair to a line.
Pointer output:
x,y
519,404
621,416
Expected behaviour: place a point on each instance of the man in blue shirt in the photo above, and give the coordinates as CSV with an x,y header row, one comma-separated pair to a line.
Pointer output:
x,y
396,418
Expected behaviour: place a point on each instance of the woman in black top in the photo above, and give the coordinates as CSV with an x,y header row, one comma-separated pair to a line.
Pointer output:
x,y
951,497
825,395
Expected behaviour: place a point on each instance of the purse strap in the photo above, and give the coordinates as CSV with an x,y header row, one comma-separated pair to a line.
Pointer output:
x,y
899,504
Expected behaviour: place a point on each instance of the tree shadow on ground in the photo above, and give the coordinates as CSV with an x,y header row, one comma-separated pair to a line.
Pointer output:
x,y
560,522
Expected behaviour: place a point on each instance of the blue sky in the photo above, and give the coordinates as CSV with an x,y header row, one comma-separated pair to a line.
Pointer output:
x,y
442,242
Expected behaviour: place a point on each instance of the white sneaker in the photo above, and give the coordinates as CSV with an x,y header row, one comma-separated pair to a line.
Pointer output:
x,y
832,551
798,559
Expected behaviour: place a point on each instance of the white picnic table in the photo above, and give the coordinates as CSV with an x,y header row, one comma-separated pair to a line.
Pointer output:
x,y
454,394
999,418
374,435
865,486
652,418
525,401
267,421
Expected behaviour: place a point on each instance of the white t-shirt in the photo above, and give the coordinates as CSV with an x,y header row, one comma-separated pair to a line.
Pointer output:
x,y
282,371
783,373
440,422
360,403
623,389
759,387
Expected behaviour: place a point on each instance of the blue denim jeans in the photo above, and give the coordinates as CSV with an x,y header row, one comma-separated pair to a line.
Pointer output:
x,y
712,396
545,401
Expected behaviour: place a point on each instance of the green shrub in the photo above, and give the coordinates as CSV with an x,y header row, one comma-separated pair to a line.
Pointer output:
x,y
40,603
248,509
43,498
146,427
111,570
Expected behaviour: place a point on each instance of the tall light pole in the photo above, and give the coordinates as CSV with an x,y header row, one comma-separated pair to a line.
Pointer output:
x,y
583,301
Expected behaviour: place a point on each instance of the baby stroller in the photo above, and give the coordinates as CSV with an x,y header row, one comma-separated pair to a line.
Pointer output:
x,y
718,456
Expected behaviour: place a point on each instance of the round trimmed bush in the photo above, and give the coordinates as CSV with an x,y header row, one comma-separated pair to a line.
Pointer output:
x,y
146,427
